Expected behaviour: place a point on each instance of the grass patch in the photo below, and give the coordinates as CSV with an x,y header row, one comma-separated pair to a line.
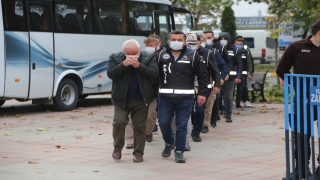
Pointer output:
x,y
264,67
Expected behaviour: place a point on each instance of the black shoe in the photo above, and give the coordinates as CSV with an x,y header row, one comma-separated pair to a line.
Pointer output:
x,y
167,150
214,125
187,147
196,137
205,129
238,106
303,177
218,118
229,120
179,157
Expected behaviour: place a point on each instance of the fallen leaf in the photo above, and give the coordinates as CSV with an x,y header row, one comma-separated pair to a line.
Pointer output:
x,y
262,111
17,115
81,108
96,171
42,129
236,113
106,121
281,128
79,137
5,157
100,106
126,153
94,116
33,162
41,172
71,172
283,139
231,139
54,138
100,134
49,116
61,147
6,134
90,113
57,119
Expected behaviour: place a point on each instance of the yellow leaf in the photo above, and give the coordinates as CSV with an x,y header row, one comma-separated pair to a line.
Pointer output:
x,y
231,139
54,138
61,147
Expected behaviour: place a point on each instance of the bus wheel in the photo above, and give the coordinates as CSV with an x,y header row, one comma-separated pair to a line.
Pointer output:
x,y
2,102
67,96
83,96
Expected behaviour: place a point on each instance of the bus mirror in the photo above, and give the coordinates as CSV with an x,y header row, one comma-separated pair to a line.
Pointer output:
x,y
270,43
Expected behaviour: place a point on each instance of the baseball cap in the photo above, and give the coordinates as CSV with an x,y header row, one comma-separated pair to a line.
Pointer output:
x,y
316,24
192,39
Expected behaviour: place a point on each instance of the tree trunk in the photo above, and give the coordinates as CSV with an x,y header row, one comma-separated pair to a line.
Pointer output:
x,y
305,32
196,20
276,60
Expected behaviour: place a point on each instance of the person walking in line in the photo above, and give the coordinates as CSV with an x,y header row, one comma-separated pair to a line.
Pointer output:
x,y
131,71
235,72
197,42
178,66
247,71
152,45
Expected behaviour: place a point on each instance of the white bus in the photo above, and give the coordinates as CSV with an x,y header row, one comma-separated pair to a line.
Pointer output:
x,y
56,51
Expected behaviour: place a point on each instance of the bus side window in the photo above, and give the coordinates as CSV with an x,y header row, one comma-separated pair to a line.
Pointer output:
x,y
14,19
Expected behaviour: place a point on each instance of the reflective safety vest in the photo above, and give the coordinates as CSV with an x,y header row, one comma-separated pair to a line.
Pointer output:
x,y
176,77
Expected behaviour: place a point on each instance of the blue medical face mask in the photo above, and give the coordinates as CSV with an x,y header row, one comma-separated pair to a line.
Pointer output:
x,y
239,47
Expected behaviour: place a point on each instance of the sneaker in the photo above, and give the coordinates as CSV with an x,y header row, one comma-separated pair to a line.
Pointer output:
x,y
167,150
214,125
187,147
228,120
247,104
155,129
238,106
205,129
179,157
196,137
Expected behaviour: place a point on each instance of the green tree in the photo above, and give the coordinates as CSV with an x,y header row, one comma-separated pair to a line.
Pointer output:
x,y
203,10
228,21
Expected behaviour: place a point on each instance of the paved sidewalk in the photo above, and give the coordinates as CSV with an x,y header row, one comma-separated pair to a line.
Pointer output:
x,y
251,147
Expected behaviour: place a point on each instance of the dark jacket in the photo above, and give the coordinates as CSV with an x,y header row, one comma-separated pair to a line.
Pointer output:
x,y
247,62
119,74
222,65
235,56
224,53
177,76
209,60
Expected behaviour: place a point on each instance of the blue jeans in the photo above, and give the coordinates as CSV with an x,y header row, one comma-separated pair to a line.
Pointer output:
x,y
166,110
198,116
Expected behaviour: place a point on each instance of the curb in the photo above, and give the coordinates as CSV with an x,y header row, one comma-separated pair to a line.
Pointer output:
x,y
272,74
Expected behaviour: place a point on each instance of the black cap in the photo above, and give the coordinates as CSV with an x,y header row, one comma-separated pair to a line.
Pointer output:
x,y
316,24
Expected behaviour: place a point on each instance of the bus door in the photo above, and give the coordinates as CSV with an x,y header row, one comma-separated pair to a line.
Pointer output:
x,y
41,48
162,25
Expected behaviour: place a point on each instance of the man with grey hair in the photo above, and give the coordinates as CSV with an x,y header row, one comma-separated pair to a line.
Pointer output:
x,y
131,71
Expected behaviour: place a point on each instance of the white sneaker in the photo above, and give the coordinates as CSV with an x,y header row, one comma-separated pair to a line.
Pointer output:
x,y
247,104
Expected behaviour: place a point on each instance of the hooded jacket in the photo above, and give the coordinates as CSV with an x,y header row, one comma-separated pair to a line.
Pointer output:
x,y
235,56
224,53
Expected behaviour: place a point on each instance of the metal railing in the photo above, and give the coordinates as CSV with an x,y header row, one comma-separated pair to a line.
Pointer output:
x,y
302,102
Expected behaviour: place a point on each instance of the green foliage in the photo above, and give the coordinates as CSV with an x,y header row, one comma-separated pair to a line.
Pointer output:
x,y
206,10
228,21
264,67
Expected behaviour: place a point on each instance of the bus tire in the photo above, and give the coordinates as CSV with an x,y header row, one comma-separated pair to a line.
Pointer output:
x,y
83,96
67,96
2,102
